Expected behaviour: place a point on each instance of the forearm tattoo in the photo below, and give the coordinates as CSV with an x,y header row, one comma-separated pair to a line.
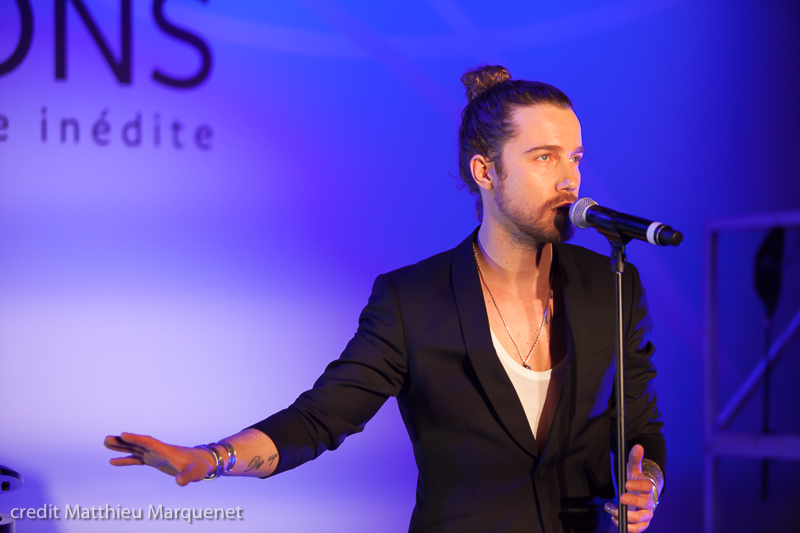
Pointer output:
x,y
651,469
255,463
272,458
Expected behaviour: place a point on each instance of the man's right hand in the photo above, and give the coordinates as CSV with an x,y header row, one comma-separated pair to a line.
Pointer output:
x,y
186,464
256,456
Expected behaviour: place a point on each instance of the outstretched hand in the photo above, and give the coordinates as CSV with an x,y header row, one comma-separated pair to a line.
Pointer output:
x,y
639,498
186,464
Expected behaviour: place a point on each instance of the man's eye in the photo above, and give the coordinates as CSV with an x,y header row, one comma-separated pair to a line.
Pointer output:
x,y
575,159
544,157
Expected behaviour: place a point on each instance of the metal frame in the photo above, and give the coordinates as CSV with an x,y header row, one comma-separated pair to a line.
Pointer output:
x,y
718,441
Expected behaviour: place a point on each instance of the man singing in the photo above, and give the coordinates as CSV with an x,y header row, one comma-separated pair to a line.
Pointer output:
x,y
499,351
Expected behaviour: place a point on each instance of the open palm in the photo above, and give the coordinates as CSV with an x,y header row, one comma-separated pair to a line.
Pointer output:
x,y
186,464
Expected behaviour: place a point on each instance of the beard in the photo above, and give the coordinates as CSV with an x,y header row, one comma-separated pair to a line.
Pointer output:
x,y
541,225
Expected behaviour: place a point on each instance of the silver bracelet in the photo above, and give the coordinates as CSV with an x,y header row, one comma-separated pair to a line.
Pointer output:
x,y
231,455
217,457
654,491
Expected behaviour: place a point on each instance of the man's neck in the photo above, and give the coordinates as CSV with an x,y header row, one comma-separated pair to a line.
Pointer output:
x,y
518,265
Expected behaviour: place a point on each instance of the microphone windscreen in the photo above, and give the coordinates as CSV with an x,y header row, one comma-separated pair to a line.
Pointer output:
x,y
577,212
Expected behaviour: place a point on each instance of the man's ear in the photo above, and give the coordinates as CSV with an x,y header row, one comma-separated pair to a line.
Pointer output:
x,y
482,172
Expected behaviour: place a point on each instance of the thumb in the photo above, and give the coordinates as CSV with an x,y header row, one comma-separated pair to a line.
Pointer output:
x,y
193,472
183,479
635,461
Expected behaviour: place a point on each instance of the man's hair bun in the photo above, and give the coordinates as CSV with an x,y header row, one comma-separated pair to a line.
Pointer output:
x,y
479,80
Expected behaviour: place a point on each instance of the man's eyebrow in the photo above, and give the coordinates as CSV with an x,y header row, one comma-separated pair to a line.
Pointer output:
x,y
552,148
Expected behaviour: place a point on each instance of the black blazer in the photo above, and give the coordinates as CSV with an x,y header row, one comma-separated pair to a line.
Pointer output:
x,y
424,337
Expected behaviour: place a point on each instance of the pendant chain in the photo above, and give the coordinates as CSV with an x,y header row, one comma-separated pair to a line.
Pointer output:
x,y
508,330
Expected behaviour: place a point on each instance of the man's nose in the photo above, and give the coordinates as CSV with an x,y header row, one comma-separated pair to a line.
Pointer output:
x,y
571,180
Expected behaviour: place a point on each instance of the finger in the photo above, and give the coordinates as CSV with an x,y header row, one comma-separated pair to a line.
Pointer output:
x,y
138,440
127,461
133,450
632,528
635,457
637,528
639,485
144,443
113,440
637,501
636,516
113,443
639,521
184,478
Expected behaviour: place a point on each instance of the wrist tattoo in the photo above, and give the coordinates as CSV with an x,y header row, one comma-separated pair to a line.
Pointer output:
x,y
272,458
255,463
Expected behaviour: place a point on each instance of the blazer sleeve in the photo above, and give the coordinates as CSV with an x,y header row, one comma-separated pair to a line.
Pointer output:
x,y
643,419
372,367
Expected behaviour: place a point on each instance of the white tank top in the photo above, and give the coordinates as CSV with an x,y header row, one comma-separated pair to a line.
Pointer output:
x,y
538,391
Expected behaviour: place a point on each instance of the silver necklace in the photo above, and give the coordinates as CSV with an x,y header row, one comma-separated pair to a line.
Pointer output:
x,y
508,330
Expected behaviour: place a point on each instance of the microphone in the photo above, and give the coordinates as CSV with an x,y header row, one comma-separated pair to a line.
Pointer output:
x,y
585,212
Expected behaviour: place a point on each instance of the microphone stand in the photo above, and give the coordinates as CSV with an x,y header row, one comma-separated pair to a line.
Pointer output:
x,y
607,226
619,229
618,244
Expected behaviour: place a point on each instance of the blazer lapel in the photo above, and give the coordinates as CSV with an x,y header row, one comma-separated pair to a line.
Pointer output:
x,y
580,314
480,350
565,408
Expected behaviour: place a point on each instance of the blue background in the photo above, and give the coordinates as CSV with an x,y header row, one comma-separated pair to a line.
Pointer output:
x,y
186,293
